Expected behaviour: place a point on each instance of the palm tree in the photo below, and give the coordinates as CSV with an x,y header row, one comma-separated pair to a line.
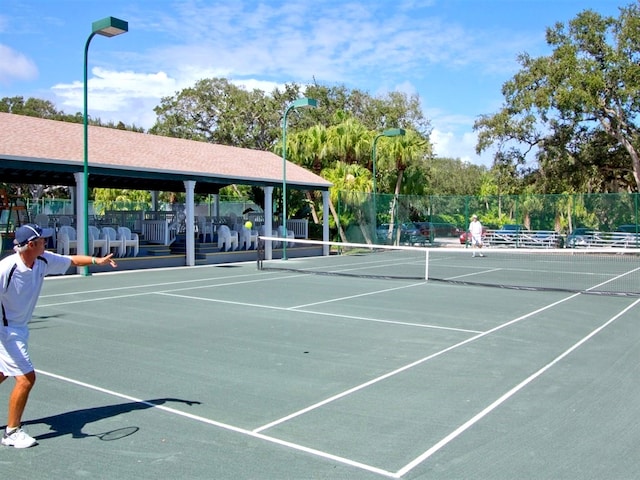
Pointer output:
x,y
349,183
399,155
309,149
350,142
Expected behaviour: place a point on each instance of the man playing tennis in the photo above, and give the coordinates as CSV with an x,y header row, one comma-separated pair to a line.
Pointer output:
x,y
21,278
475,229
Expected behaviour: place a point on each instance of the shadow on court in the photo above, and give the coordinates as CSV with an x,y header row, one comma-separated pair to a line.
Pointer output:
x,y
72,423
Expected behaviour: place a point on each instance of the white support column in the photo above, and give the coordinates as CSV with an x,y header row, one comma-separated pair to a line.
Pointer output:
x,y
216,205
74,199
81,203
325,221
268,221
189,186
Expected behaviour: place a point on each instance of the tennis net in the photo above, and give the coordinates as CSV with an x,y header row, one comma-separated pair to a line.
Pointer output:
x,y
607,271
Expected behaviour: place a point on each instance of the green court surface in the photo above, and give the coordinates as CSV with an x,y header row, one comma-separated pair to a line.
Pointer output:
x,y
229,372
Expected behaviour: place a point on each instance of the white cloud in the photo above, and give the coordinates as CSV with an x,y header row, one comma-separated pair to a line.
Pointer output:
x,y
458,144
131,96
118,96
253,84
345,43
15,66
441,143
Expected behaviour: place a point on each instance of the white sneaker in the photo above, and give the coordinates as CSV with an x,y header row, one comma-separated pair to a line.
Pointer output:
x,y
18,438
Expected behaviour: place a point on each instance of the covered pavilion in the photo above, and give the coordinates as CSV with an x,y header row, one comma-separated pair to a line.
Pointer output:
x,y
40,151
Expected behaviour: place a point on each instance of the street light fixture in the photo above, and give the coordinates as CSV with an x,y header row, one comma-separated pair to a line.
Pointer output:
x,y
299,103
392,132
107,27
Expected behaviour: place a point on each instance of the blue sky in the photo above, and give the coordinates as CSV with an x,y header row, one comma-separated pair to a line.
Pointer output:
x,y
455,54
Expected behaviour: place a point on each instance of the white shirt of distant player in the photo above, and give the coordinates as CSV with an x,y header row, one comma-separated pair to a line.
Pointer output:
x,y
475,227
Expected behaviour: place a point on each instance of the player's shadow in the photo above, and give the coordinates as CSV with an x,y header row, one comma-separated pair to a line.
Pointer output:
x,y
72,423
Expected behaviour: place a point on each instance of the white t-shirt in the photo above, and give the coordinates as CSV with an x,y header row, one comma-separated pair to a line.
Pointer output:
x,y
475,227
20,285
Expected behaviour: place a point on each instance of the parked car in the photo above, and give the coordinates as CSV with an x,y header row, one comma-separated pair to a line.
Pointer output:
x,y
383,233
582,237
628,228
427,231
629,235
544,238
445,230
409,232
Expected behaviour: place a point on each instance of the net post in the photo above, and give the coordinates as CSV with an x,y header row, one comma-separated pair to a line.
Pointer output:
x,y
260,253
426,264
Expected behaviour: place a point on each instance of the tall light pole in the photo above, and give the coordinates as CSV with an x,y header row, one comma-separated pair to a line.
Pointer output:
x,y
107,27
392,132
299,103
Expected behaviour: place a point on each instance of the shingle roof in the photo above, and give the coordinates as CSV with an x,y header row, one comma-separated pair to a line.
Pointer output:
x,y
37,149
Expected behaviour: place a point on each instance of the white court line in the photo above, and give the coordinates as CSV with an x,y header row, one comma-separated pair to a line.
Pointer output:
x,y
140,294
406,367
252,305
472,421
394,322
375,292
225,426
324,314
149,285
482,272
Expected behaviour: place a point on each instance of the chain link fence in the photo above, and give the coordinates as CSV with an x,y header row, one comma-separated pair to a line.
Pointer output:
x,y
382,218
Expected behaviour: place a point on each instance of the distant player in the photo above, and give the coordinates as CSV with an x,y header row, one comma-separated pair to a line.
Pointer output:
x,y
475,229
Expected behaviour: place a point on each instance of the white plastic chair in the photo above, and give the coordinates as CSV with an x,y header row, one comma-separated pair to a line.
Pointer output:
x,y
289,235
254,239
245,239
97,241
227,238
67,240
64,221
42,220
129,240
116,245
205,227
273,233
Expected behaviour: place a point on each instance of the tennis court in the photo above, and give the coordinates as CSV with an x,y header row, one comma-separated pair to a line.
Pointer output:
x,y
230,372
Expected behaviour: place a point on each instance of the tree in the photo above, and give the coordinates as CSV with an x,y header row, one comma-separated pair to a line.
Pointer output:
x,y
407,163
32,107
393,110
351,180
217,111
587,85
449,176
120,199
350,141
